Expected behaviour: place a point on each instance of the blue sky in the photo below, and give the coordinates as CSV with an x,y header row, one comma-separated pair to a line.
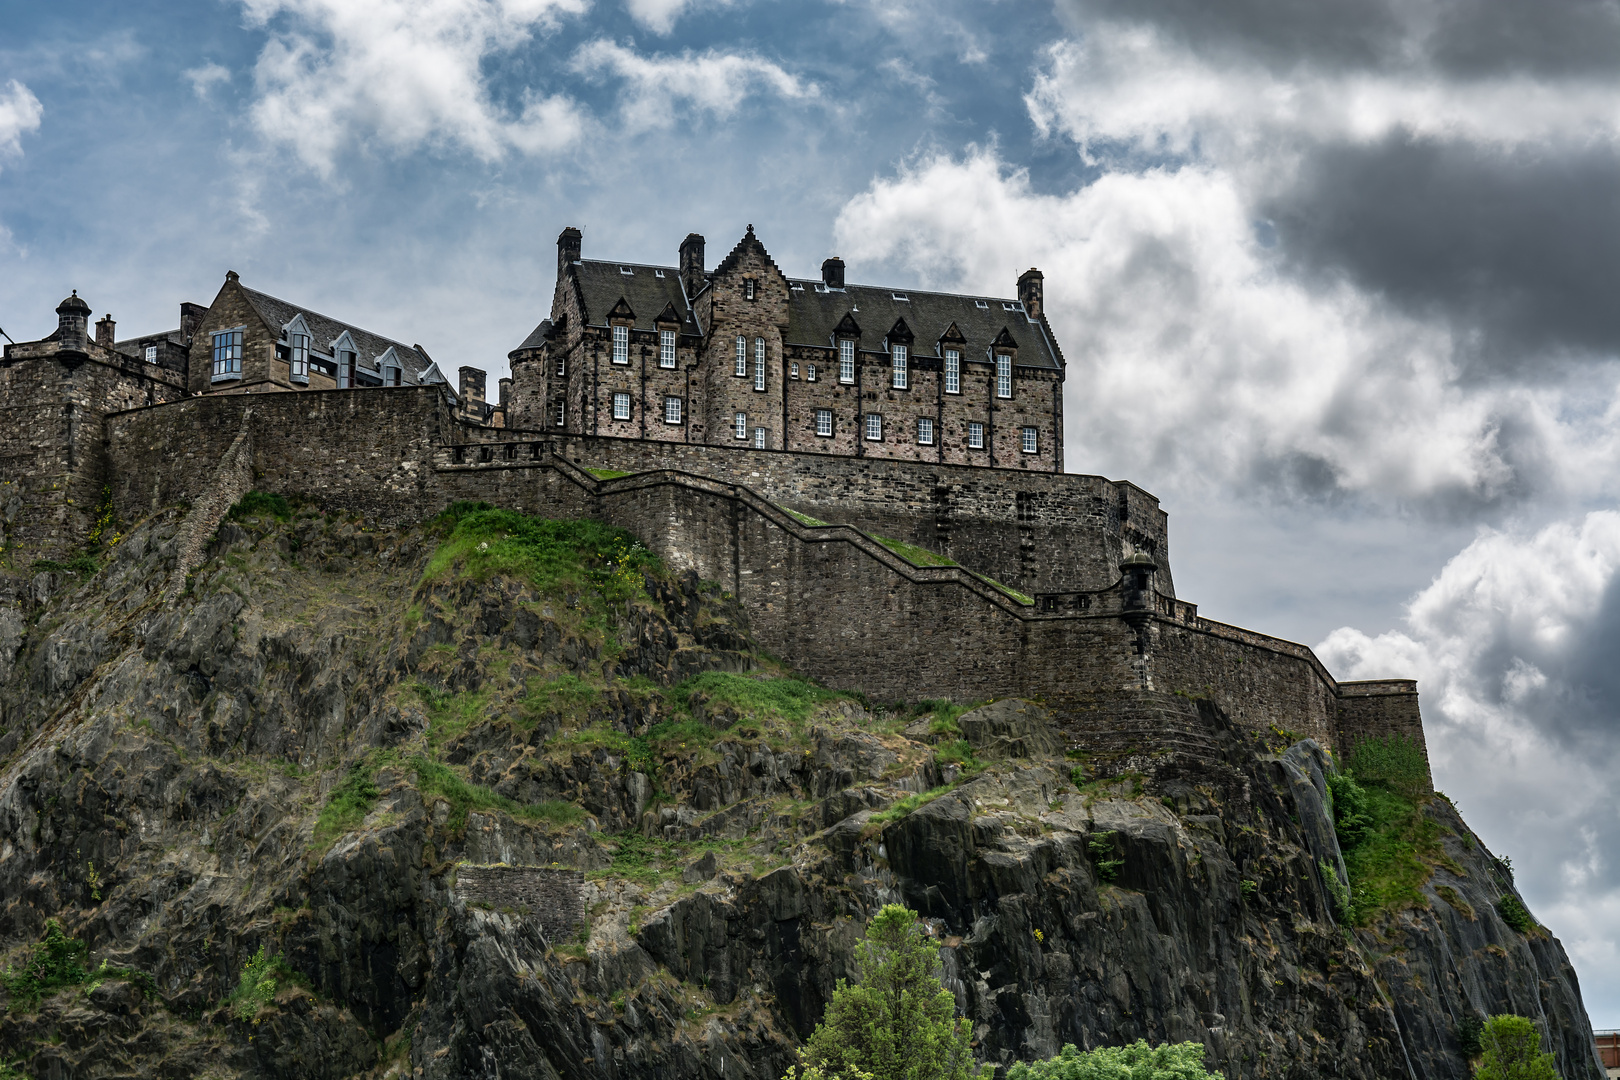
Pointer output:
x,y
1334,282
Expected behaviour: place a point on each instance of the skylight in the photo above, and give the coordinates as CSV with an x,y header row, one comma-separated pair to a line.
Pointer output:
x,y
982,303
626,270
901,296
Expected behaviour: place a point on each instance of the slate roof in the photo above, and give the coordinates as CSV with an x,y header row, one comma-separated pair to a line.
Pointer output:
x,y
814,313
324,330
603,284
813,316
537,336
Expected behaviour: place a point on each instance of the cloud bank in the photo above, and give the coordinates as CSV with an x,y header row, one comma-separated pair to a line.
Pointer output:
x,y
20,113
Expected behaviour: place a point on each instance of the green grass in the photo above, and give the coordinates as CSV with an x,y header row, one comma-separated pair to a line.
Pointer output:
x,y
1022,598
58,961
785,698
1515,914
607,474
959,752
451,715
914,554
1396,763
348,805
256,988
802,519
905,805
260,504
1390,846
435,779
598,564
82,564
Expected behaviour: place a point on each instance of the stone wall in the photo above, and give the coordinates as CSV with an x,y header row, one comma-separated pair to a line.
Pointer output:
x,y
548,895
1378,709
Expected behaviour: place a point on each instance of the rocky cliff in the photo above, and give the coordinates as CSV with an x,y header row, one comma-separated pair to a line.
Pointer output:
x,y
280,770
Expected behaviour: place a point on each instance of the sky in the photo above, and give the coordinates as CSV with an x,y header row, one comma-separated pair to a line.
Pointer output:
x,y
1334,281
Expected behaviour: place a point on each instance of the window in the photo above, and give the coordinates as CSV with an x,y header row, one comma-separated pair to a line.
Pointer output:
x,y
898,355
874,427
748,288
395,376
824,423
810,373
345,369
228,354
925,430
151,354
759,438
795,369
975,435
759,363
953,371
626,271
562,413
740,425
658,273
982,303
846,361
901,297
621,406
621,344
666,348
1031,441
741,368
300,357
672,410
1003,375
1011,305
562,366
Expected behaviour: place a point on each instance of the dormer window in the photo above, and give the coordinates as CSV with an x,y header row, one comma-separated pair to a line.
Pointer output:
x,y
846,360
1011,305
658,273
621,343
897,354
345,359
797,286
748,288
666,348
298,361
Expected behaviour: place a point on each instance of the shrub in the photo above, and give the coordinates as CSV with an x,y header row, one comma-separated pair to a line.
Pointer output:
x,y
1515,914
55,962
255,989
1351,821
1469,1031
906,804
434,779
1138,1061
260,504
1103,856
1511,1050
1337,891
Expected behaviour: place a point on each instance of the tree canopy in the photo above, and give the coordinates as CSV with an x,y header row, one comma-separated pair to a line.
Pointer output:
x,y
1138,1061
1512,1051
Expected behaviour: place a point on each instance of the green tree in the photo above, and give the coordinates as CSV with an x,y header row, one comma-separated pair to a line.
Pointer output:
x,y
897,1022
1138,1061
1513,1051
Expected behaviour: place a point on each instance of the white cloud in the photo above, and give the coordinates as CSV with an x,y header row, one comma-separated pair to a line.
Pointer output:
x,y
713,81
203,78
401,74
20,113
660,16
1513,648
1191,356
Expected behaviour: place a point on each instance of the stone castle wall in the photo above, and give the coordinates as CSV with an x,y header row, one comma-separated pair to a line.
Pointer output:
x,y
829,600
551,896
1379,709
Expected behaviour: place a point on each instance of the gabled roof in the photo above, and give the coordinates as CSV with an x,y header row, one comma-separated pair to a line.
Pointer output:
x,y
324,330
815,314
748,243
603,284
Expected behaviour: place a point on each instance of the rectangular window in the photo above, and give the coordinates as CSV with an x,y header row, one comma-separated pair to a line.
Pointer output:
x,y
621,406
898,355
151,354
227,354
562,413
740,425
759,438
794,372
1003,375
672,410
810,373
1031,441
621,344
299,363
846,361
345,369
562,366
824,422
666,348
741,368
925,430
953,371
759,363
394,376
975,435
874,427
748,287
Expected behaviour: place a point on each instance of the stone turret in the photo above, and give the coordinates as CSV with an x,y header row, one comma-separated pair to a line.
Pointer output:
x,y
1031,290
72,323
692,276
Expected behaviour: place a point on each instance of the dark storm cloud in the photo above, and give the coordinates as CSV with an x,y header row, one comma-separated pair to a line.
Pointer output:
x,y
1544,37
1521,247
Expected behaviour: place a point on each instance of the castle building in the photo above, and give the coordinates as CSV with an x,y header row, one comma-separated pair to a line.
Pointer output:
x,y
745,356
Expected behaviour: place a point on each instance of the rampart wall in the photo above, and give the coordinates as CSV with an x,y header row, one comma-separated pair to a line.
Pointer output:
x,y
829,599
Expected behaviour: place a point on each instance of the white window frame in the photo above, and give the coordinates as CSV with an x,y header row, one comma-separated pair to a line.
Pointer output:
x,y
759,363
666,348
759,438
975,435
298,356
562,413
672,409
739,425
621,343
749,288
874,427
740,368
824,423
846,360
151,354
621,405
898,358
794,372
562,366
228,353
1003,375
925,431
953,371
1030,440
809,373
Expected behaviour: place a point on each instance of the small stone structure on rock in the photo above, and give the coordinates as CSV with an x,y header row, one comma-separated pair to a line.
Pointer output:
x,y
549,895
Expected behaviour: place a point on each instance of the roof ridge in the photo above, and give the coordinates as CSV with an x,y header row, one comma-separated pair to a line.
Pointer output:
x,y
302,310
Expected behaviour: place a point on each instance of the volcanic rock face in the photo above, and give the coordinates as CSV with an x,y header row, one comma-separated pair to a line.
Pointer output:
x,y
297,754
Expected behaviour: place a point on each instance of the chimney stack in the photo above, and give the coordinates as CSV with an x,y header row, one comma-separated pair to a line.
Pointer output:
x,y
506,390
692,275
832,273
105,331
472,394
191,317
568,245
1030,292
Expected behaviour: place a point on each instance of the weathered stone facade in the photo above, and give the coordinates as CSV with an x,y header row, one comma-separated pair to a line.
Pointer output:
x,y
551,896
